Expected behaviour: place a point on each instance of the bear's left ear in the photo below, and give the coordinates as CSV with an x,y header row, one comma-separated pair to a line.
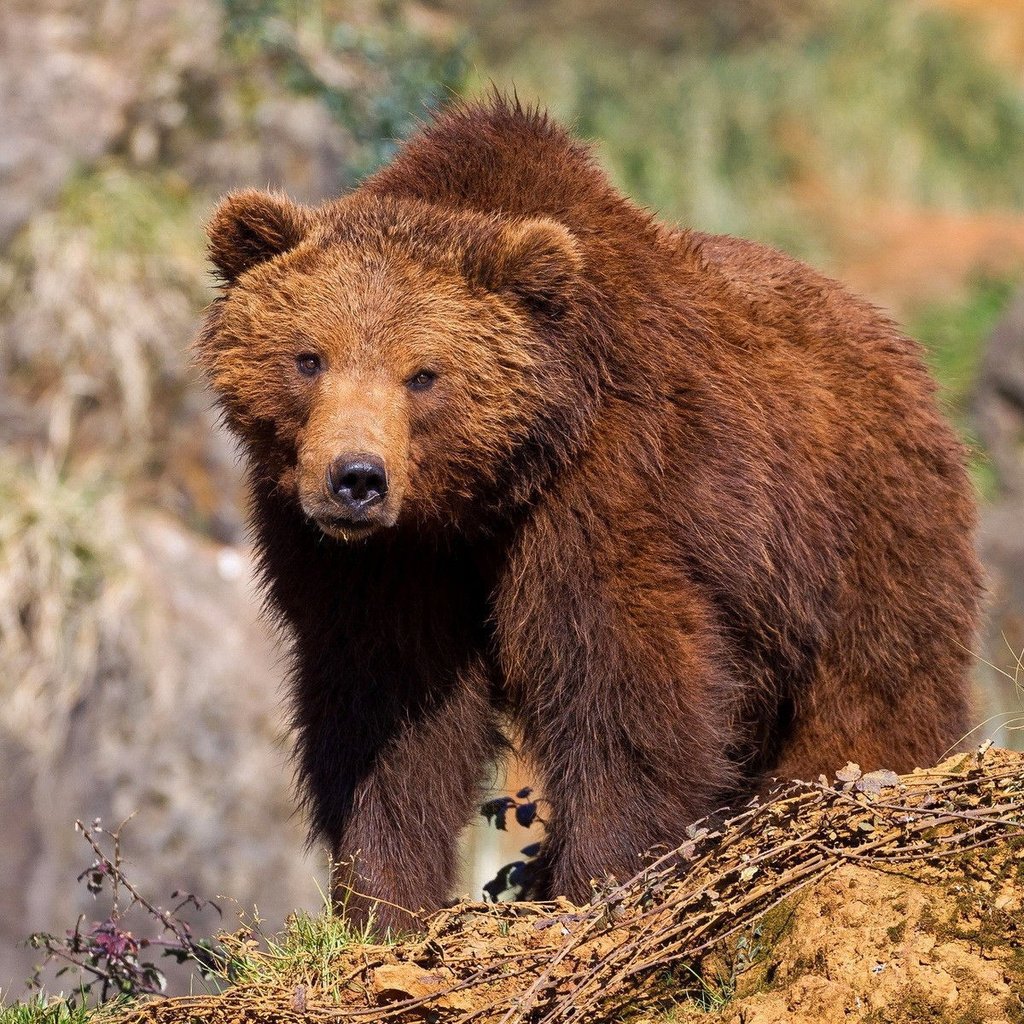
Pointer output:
x,y
537,260
251,227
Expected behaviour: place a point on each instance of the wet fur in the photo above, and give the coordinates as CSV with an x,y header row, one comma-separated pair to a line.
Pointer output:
x,y
700,525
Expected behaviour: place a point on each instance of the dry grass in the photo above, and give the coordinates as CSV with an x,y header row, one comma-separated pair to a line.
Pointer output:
x,y
98,300
67,594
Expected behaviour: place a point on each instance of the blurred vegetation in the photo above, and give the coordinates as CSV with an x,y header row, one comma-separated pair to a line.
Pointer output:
x,y
66,594
954,333
98,295
844,106
377,77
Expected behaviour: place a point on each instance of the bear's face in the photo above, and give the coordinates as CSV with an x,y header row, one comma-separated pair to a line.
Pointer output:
x,y
391,361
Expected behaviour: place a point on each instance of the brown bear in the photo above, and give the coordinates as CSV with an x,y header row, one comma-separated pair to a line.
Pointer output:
x,y
679,508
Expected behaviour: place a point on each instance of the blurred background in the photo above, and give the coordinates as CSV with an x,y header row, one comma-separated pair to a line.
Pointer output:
x,y
881,141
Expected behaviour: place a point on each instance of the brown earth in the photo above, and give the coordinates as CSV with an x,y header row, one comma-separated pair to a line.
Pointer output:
x,y
887,947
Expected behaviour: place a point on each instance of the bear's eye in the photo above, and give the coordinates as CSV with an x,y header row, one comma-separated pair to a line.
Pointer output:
x,y
421,381
309,364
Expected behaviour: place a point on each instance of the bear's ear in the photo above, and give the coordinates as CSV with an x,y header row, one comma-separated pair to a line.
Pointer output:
x,y
537,260
251,227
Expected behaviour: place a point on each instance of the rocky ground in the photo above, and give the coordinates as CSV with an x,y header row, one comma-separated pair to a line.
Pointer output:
x,y
868,897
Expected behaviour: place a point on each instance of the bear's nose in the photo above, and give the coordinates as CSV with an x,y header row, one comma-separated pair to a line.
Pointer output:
x,y
357,483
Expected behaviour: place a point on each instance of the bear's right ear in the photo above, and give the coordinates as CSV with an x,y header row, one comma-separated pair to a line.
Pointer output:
x,y
251,227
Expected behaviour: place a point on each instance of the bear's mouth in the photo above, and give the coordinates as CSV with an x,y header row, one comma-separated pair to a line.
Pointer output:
x,y
347,529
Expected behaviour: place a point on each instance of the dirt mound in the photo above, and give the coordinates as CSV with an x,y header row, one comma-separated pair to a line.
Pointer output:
x,y
890,948
889,898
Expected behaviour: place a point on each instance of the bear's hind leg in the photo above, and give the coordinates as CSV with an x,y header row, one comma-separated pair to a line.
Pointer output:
x,y
906,717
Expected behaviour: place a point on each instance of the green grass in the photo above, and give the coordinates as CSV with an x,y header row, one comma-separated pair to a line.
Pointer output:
x,y
306,952
44,1009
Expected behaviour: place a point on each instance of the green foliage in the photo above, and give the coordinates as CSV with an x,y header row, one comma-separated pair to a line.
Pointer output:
x,y
881,102
137,211
954,334
376,78
42,1011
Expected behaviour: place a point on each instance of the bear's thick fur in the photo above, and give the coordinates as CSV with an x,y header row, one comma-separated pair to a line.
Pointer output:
x,y
677,506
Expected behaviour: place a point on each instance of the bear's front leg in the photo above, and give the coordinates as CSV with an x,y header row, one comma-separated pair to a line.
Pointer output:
x,y
391,698
616,679
390,779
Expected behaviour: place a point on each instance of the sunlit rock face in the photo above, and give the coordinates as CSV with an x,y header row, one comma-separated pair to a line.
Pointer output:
x,y
178,724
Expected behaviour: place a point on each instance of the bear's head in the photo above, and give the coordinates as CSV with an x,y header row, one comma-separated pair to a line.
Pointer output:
x,y
389,361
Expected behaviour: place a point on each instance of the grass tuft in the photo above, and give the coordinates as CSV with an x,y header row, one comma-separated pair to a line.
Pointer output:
x,y
307,952
43,1009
